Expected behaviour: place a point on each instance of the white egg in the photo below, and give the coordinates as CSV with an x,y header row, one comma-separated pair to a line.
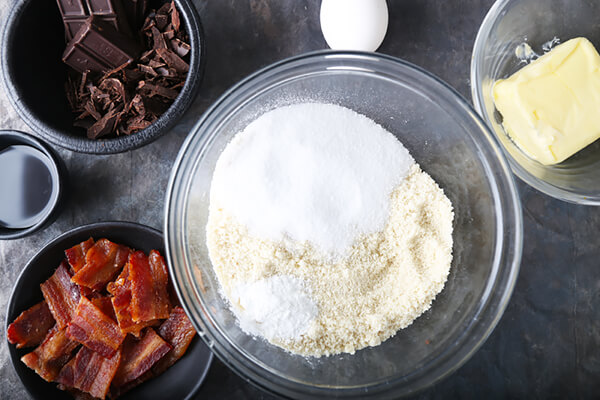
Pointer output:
x,y
354,24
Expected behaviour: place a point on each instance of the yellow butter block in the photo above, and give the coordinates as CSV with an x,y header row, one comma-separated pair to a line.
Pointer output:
x,y
551,107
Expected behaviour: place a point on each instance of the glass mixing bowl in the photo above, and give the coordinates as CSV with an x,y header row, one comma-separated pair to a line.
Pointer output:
x,y
508,24
448,140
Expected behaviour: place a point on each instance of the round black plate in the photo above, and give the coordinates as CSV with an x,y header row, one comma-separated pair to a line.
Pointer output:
x,y
180,381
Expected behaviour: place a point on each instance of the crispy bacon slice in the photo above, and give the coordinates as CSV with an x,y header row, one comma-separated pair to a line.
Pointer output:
x,y
49,357
102,262
31,326
95,330
139,356
76,254
61,294
178,331
105,305
149,280
121,300
89,372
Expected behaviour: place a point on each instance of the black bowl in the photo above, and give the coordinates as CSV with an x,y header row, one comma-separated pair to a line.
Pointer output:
x,y
59,182
180,381
34,75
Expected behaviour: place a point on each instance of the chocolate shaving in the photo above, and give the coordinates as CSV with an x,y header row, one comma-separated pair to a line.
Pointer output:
x,y
159,40
104,125
173,60
182,49
155,90
90,109
174,17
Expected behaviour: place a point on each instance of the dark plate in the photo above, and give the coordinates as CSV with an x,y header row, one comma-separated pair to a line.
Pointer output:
x,y
179,382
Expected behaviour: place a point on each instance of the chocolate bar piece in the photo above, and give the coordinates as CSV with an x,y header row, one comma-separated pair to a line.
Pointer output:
x,y
98,47
75,12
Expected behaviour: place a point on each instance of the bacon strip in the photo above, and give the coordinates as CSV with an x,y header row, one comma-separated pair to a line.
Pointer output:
x,y
149,279
102,262
61,294
95,330
104,304
121,300
31,326
76,254
139,356
178,331
89,372
49,357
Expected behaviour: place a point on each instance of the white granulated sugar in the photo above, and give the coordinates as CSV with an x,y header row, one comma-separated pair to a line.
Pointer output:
x,y
311,172
277,308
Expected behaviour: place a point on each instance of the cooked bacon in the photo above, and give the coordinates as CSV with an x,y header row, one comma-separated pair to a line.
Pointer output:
x,y
104,304
102,262
89,372
149,280
31,326
121,300
61,294
178,331
95,330
76,254
89,293
49,357
139,356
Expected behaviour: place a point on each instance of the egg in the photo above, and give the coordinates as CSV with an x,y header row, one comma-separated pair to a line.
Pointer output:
x,y
354,24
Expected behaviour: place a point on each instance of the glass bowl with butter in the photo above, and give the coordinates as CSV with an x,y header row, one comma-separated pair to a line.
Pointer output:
x,y
535,79
449,141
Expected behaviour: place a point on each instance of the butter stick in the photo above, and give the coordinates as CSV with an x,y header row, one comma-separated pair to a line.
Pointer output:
x,y
551,107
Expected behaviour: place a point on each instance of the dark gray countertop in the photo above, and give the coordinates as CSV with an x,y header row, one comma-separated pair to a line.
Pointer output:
x,y
548,341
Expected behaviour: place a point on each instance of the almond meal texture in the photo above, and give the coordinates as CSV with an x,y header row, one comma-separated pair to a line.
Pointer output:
x,y
388,279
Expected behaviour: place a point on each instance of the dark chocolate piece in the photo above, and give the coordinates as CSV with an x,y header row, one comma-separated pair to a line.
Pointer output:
x,y
72,8
75,12
98,47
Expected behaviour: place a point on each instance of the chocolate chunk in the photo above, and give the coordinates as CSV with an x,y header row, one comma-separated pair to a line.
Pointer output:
x,y
78,59
75,13
98,47
72,8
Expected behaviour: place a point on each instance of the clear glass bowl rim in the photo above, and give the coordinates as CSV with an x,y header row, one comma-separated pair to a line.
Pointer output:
x,y
179,265
483,34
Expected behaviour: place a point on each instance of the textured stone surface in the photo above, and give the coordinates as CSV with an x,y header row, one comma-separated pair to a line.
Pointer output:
x,y
546,345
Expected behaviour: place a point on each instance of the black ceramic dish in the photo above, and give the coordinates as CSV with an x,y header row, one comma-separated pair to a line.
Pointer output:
x,y
59,181
180,381
34,76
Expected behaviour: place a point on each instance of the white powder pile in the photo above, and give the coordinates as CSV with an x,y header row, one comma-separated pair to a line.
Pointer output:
x,y
277,308
324,234
311,172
